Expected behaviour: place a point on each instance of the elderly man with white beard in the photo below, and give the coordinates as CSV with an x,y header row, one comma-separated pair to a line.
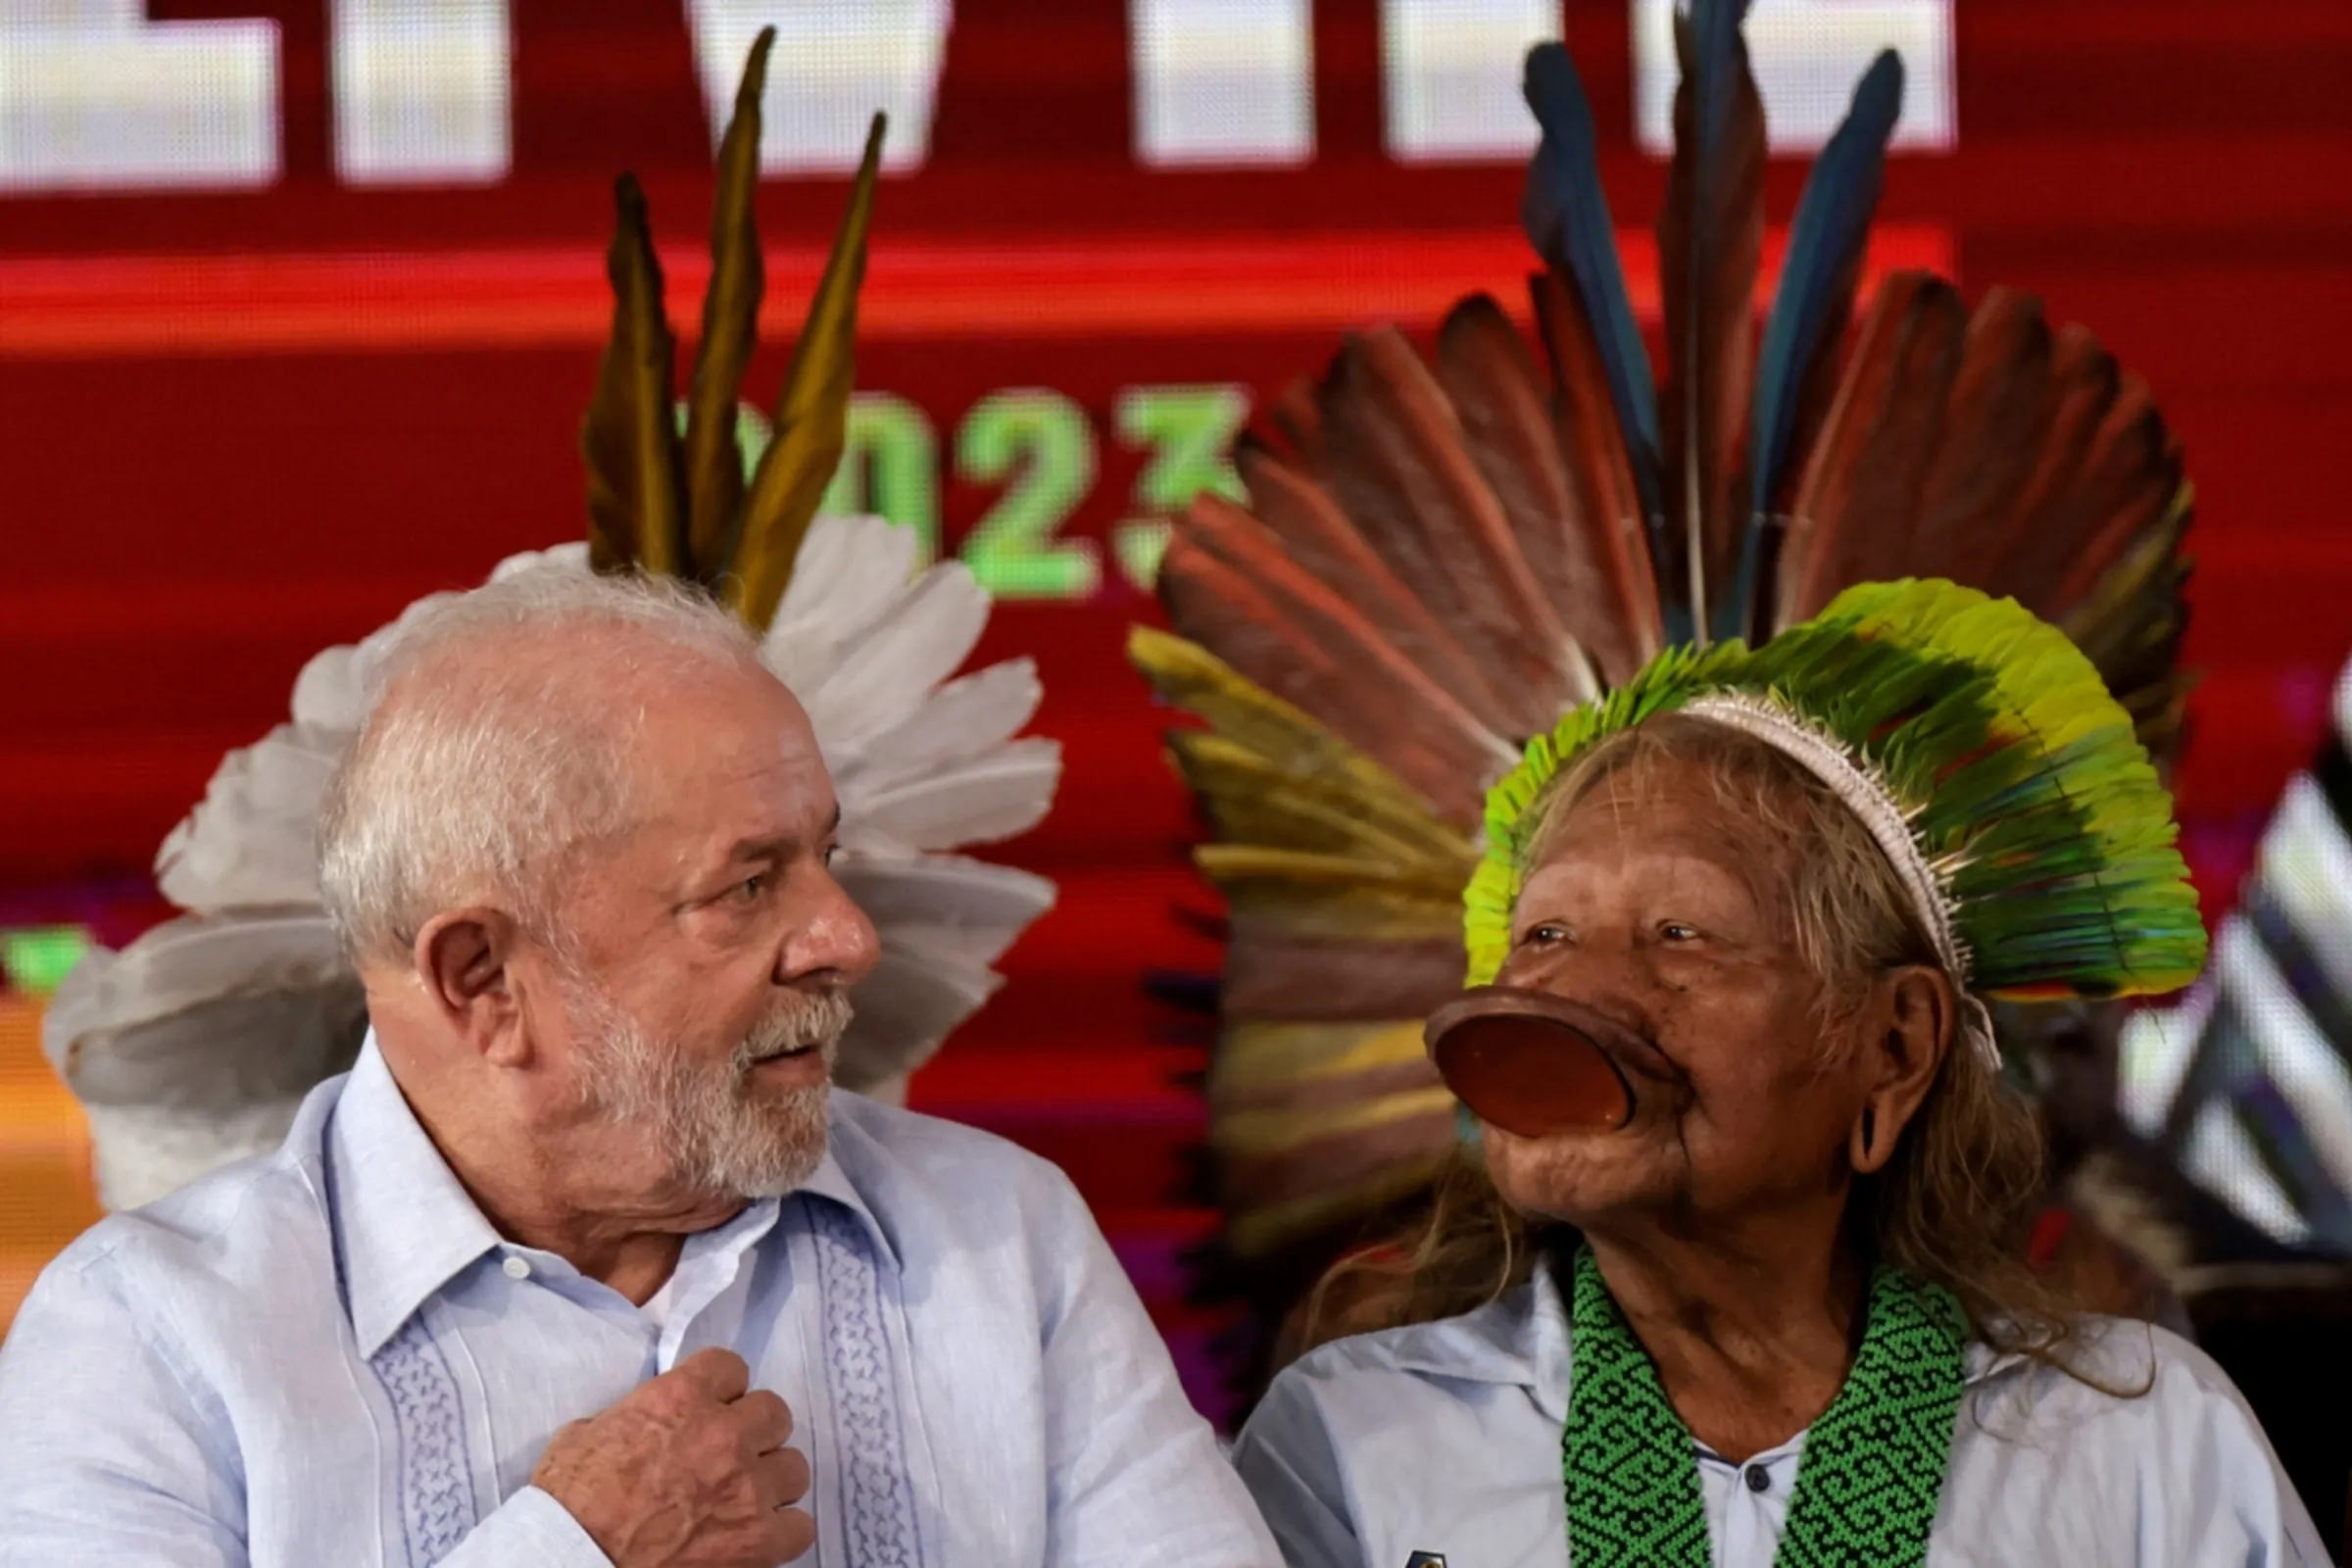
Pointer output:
x,y
583,1263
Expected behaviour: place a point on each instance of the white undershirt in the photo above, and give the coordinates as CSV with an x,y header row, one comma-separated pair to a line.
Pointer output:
x,y
657,1306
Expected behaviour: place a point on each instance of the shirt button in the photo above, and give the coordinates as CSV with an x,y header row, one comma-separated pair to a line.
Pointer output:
x,y
518,1268
1759,1478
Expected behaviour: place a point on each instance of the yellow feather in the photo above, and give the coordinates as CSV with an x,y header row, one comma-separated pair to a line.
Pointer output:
x,y
1246,1134
1266,1058
714,460
636,512
1202,684
1252,801
1256,1232
811,418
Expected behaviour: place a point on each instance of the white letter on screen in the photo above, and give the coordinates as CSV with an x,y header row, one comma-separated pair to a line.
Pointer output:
x,y
422,91
93,96
834,64
1223,82
1808,55
1449,76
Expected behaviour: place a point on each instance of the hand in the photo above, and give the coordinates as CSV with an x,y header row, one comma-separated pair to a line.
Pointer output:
x,y
689,1471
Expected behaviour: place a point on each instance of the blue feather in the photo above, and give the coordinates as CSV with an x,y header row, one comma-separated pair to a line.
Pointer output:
x,y
1713,75
1831,223
1832,220
1566,214
1715,45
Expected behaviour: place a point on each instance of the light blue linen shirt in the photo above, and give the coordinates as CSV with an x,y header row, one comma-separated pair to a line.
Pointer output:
x,y
1445,1437
328,1356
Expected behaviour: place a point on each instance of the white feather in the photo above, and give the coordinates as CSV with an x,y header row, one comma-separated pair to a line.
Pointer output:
x,y
848,574
918,993
965,907
571,556
959,721
368,658
331,692
142,1153
884,673
208,1014
250,842
982,801
328,695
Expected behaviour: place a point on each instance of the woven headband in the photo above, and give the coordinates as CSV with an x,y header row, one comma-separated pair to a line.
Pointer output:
x,y
1863,793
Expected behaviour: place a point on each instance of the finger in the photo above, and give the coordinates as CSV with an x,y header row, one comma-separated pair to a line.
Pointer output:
x,y
793,1531
781,1478
767,1420
718,1373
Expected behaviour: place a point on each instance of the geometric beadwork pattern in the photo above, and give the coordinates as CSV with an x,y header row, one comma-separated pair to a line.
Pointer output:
x,y
1873,1469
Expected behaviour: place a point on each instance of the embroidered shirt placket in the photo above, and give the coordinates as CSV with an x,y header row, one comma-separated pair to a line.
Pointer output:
x,y
878,1503
437,1505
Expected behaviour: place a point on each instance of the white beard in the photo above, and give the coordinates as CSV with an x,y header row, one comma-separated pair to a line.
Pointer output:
x,y
717,1133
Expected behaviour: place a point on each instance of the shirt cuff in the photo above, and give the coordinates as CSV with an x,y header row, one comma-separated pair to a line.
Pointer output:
x,y
529,1530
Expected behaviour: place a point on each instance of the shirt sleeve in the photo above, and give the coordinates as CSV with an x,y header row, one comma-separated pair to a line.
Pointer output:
x,y
1286,1458
1134,1476
529,1530
2219,1491
110,1455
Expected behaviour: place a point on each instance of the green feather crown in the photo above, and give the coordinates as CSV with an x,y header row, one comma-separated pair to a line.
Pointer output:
x,y
2035,812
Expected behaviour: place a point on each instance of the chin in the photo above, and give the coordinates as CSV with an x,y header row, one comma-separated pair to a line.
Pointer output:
x,y
1576,1178
765,1142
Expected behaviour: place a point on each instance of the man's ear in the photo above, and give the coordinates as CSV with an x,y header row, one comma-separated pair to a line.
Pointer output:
x,y
463,957
1913,1017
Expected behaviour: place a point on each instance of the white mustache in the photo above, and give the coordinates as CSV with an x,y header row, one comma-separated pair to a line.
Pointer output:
x,y
804,1023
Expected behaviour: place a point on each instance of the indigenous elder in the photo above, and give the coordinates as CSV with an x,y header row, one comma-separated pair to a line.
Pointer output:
x,y
1735,1277
582,1264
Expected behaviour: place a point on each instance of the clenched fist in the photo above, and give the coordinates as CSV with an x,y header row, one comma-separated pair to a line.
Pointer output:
x,y
689,1471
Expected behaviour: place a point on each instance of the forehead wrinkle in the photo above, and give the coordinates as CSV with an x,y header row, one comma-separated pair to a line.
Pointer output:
x,y
1696,826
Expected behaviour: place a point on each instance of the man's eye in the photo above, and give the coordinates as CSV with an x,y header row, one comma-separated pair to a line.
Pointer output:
x,y
1539,936
1676,931
832,853
751,888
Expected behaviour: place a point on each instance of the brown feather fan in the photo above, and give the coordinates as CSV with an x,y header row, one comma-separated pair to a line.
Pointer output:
x,y
1439,555
679,507
1711,244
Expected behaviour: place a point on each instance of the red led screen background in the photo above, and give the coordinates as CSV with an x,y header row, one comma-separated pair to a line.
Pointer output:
x,y
235,428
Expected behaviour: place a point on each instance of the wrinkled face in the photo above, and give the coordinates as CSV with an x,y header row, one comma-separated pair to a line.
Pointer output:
x,y
1652,907
715,952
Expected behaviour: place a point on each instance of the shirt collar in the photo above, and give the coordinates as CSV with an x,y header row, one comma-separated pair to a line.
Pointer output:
x,y
405,1226
1521,1340
829,1181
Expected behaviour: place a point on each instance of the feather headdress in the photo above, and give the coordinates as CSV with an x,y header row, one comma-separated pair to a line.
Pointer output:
x,y
1441,554
1979,746
193,1046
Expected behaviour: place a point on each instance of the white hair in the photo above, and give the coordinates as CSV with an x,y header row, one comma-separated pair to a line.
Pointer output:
x,y
498,742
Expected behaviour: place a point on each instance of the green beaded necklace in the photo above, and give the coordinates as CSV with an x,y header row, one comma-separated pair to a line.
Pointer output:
x,y
1873,1466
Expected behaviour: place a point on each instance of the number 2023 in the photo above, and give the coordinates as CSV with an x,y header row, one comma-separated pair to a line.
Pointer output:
x,y
1039,445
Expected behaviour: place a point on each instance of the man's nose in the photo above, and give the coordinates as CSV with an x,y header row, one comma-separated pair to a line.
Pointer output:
x,y
834,943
